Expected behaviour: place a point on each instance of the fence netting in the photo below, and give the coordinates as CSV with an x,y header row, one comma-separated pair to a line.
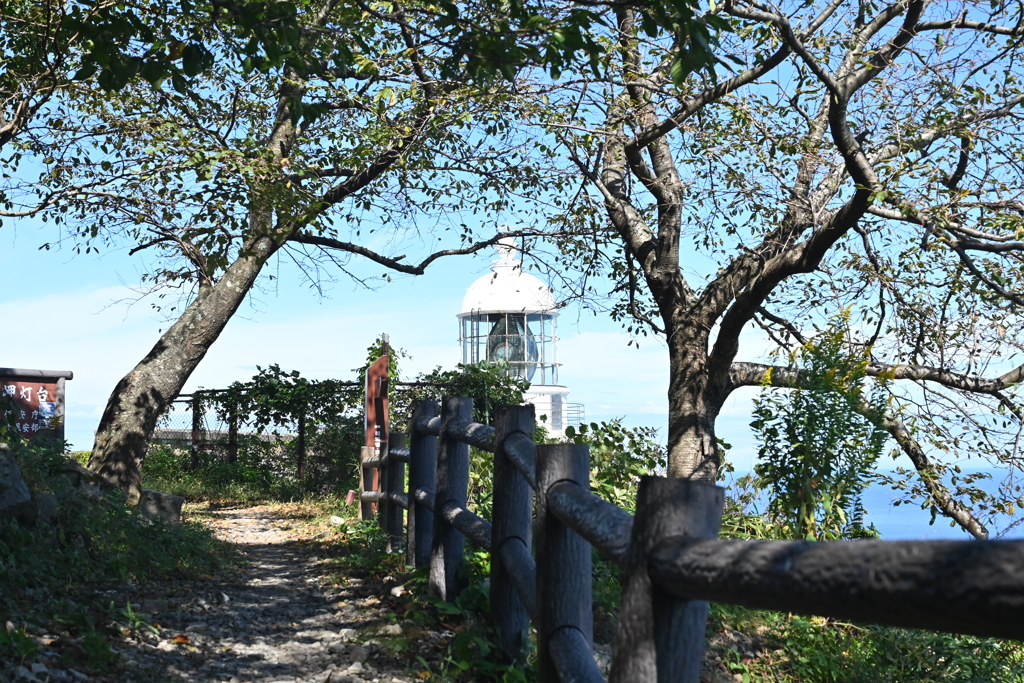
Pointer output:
x,y
325,459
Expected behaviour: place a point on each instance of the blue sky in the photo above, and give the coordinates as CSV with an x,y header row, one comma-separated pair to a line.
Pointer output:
x,y
78,312
98,326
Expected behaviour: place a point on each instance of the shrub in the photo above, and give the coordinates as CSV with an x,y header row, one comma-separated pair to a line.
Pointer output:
x,y
94,538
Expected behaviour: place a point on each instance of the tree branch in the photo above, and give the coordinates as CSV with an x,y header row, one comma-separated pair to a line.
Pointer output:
x,y
695,104
963,22
782,322
395,262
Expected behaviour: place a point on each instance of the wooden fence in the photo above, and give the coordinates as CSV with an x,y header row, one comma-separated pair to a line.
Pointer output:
x,y
672,560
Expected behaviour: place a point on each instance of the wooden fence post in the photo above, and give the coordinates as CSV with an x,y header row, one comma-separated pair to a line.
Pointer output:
x,y
393,483
512,515
197,433
301,449
660,637
422,474
366,475
382,487
564,591
452,485
233,433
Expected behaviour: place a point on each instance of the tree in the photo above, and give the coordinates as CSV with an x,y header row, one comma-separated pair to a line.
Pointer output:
x,y
819,442
214,182
855,155
230,139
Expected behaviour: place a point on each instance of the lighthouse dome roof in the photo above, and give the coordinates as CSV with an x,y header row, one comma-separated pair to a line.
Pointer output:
x,y
507,289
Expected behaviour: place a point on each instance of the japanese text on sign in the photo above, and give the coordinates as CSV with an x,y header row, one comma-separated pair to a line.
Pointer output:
x,y
34,401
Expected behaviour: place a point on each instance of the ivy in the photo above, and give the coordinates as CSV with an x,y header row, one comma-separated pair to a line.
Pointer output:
x,y
275,397
488,384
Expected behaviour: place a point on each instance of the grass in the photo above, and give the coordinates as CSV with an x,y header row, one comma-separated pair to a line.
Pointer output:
x,y
253,478
772,646
262,472
53,575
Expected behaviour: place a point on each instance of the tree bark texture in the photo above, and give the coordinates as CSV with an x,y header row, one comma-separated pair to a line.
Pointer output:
x,y
141,397
695,398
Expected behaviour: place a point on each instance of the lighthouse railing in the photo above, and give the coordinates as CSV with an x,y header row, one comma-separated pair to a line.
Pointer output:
x,y
671,558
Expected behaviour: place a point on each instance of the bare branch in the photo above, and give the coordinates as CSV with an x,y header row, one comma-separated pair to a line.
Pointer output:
x,y
963,22
395,262
782,322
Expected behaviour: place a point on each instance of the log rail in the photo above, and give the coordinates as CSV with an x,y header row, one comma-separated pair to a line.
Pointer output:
x,y
672,559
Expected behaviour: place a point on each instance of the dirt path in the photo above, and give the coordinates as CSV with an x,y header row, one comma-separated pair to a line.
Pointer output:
x,y
275,620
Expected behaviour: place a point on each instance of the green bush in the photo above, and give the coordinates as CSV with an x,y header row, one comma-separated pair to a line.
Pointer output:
x,y
819,441
260,473
263,469
94,538
619,456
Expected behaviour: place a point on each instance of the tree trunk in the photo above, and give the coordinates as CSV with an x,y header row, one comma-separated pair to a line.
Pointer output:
x,y
694,402
141,397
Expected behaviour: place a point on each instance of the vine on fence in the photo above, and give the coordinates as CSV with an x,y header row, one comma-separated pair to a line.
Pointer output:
x,y
488,384
324,414
321,421
275,397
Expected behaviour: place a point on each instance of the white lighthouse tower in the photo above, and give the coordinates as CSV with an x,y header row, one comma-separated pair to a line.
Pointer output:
x,y
509,315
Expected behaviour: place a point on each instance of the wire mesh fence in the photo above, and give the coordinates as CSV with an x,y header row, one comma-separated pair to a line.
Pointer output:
x,y
311,455
178,426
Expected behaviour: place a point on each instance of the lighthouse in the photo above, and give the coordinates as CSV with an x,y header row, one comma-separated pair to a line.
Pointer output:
x,y
509,316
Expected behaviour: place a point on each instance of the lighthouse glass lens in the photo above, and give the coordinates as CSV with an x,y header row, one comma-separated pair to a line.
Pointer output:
x,y
511,341
524,342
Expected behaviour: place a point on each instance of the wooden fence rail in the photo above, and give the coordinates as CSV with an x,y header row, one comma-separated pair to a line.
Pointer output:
x,y
672,561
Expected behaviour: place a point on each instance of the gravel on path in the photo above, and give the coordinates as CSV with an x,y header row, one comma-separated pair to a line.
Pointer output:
x,y
274,621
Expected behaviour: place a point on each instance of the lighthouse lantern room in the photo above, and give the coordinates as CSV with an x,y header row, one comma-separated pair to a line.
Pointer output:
x,y
509,316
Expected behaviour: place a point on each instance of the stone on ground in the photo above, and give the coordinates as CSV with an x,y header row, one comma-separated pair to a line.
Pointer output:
x,y
15,498
155,505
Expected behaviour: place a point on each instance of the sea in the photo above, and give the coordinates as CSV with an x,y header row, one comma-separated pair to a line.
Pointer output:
x,y
910,522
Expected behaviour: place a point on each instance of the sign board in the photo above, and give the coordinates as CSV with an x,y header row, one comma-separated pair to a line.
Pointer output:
x,y
38,400
375,425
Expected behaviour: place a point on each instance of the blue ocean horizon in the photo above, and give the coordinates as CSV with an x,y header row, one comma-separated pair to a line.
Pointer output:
x,y
908,522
